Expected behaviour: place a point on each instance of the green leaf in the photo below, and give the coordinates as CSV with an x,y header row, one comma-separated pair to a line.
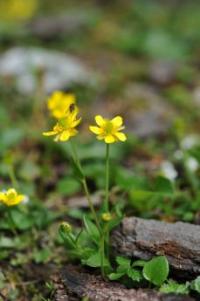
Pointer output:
x,y
195,284
68,186
115,276
91,229
41,256
164,186
21,220
134,274
156,270
138,263
95,260
174,287
141,195
122,261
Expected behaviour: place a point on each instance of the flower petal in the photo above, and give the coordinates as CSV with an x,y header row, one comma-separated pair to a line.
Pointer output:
x,y
50,133
110,139
2,196
95,129
64,136
121,136
117,121
100,120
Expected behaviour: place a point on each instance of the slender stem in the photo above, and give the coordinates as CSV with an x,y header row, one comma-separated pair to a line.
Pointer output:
x,y
11,222
106,202
13,177
85,186
102,250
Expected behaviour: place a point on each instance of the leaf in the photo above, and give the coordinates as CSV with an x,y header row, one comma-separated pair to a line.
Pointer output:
x,y
68,186
91,229
95,260
138,263
21,220
115,276
156,270
122,261
195,284
174,287
41,256
134,274
164,186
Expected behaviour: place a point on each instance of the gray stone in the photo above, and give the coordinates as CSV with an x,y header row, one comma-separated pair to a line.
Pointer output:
x,y
149,114
59,70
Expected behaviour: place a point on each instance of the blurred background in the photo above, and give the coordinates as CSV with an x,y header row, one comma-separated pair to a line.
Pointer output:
x,y
139,59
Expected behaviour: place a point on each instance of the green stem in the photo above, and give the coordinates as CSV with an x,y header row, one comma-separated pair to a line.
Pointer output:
x,y
102,250
106,202
13,177
11,222
85,186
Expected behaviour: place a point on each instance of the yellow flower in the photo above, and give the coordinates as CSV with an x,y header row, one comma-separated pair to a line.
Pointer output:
x,y
17,10
109,130
65,127
11,197
59,103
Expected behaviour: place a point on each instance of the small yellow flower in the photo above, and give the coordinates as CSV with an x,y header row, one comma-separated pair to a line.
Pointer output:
x,y
11,197
17,10
109,130
59,103
65,128
106,217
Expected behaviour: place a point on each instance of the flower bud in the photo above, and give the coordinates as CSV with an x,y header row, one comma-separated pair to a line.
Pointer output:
x,y
106,217
66,227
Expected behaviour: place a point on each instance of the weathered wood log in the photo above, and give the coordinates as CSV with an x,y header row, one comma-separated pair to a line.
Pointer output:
x,y
79,284
180,242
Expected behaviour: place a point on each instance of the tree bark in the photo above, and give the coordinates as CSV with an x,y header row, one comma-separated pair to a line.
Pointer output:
x,y
180,242
79,283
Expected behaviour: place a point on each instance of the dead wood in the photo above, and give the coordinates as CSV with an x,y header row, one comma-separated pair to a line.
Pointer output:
x,y
79,283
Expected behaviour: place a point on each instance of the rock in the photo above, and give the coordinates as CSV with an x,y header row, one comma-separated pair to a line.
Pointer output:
x,y
163,72
149,114
51,27
143,239
59,70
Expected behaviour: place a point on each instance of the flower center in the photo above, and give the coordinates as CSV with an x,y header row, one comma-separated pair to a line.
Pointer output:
x,y
11,196
108,127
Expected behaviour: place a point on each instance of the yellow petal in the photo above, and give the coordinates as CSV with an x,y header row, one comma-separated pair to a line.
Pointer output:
x,y
2,196
64,136
73,132
11,191
50,133
121,136
20,198
75,122
57,138
117,121
100,120
110,139
95,129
